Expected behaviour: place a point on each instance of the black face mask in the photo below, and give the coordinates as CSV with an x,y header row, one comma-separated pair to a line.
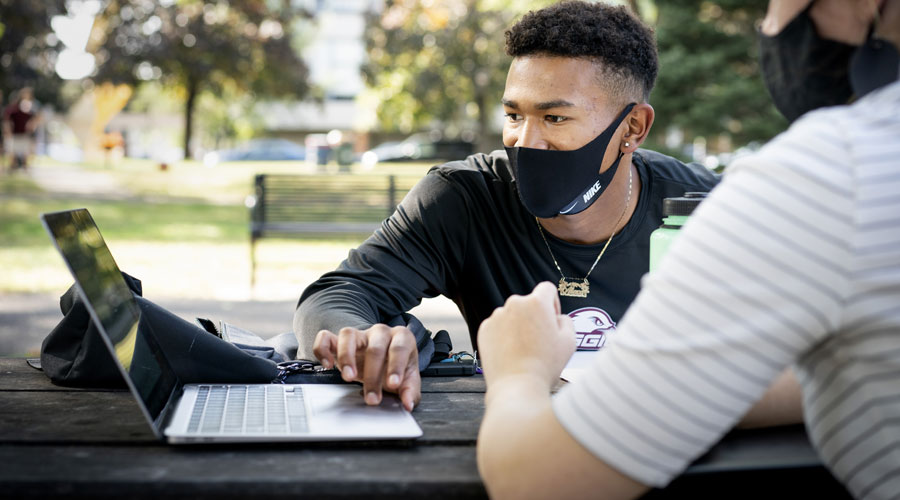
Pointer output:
x,y
552,183
804,71
875,64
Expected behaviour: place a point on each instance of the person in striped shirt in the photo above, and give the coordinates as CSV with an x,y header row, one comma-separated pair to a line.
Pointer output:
x,y
793,260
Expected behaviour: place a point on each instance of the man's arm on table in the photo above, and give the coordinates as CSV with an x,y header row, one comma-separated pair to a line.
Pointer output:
x,y
342,325
340,318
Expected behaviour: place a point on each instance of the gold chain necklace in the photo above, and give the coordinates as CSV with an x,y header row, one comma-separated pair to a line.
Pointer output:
x,y
574,288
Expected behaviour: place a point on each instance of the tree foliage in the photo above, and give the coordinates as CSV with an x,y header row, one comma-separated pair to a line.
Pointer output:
x,y
442,64
439,64
202,46
709,82
28,48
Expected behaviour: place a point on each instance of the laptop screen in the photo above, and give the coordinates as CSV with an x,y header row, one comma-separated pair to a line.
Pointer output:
x,y
113,306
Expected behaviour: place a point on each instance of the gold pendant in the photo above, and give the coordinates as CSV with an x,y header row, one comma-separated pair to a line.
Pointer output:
x,y
567,289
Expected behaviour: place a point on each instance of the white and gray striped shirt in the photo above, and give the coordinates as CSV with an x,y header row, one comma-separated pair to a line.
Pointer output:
x,y
794,259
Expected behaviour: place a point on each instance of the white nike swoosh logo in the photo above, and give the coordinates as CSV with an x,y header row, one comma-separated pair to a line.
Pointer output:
x,y
569,208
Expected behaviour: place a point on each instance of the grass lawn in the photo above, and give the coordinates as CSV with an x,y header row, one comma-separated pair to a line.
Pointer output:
x,y
126,220
230,182
190,240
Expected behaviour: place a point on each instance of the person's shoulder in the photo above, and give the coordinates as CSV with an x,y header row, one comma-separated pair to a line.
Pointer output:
x,y
832,135
878,108
667,169
466,179
493,166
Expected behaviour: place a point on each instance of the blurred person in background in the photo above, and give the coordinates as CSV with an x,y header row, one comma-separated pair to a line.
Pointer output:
x,y
2,132
20,121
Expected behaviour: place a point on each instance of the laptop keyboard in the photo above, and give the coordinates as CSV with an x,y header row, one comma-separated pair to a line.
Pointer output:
x,y
248,409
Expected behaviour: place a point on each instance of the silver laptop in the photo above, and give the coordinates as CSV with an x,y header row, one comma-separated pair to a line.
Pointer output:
x,y
194,413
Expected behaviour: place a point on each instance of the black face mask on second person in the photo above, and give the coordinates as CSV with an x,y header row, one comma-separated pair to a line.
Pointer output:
x,y
804,71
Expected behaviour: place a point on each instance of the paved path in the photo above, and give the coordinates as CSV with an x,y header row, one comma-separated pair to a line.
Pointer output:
x,y
25,319
71,181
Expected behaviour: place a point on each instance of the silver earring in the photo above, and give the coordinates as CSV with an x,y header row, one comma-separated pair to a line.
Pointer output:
x,y
627,144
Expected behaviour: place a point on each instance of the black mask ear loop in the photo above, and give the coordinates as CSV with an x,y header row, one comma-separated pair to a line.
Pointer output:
x,y
875,63
602,180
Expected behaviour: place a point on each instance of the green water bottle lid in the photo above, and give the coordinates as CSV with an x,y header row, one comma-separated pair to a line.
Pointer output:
x,y
683,205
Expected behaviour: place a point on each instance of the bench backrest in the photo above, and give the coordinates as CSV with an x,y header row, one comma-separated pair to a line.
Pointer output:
x,y
324,203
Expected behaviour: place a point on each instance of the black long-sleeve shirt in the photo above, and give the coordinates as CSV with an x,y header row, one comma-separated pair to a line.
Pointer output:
x,y
462,232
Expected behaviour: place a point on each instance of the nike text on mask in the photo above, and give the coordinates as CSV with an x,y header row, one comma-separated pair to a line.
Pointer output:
x,y
552,183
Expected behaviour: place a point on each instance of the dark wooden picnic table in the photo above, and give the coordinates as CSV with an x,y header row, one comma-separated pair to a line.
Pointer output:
x,y
92,443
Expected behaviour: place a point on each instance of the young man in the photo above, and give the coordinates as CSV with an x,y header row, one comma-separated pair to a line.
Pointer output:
x,y
799,245
571,200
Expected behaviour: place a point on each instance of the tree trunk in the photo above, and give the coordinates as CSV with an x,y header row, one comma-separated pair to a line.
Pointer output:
x,y
191,89
633,5
484,143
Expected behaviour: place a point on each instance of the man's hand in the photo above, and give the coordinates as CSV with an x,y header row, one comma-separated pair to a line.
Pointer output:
x,y
528,336
380,357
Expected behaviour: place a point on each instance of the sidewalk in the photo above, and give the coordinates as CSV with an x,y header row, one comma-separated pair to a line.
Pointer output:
x,y
75,182
26,318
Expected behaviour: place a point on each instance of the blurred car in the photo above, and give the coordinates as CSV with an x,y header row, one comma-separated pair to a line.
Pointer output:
x,y
258,150
414,148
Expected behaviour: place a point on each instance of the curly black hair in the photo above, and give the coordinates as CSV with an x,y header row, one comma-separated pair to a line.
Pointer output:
x,y
623,46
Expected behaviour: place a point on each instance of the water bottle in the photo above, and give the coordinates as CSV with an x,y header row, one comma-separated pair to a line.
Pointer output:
x,y
675,214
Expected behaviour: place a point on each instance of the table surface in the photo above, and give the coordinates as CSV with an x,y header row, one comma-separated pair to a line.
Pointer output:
x,y
95,443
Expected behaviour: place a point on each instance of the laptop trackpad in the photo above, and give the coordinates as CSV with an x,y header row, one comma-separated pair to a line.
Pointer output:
x,y
340,410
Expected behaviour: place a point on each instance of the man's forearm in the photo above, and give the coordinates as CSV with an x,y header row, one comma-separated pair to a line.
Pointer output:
x,y
323,311
782,404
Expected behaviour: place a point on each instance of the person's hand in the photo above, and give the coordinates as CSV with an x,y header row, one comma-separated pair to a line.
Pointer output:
x,y
837,20
381,357
528,335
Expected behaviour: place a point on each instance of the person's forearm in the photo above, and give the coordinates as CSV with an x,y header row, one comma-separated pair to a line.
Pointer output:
x,y
782,404
524,452
326,311
513,409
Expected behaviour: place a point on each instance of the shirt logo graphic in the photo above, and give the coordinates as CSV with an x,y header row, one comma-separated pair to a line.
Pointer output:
x,y
591,326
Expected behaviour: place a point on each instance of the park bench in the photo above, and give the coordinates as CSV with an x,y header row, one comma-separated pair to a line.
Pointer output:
x,y
317,205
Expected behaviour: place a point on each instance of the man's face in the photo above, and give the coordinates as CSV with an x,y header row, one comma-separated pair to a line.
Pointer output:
x,y
556,103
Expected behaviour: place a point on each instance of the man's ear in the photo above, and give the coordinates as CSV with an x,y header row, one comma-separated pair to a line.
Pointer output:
x,y
637,124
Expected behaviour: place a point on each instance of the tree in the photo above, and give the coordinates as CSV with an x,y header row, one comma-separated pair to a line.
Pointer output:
x,y
443,64
28,48
709,82
200,45
440,63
